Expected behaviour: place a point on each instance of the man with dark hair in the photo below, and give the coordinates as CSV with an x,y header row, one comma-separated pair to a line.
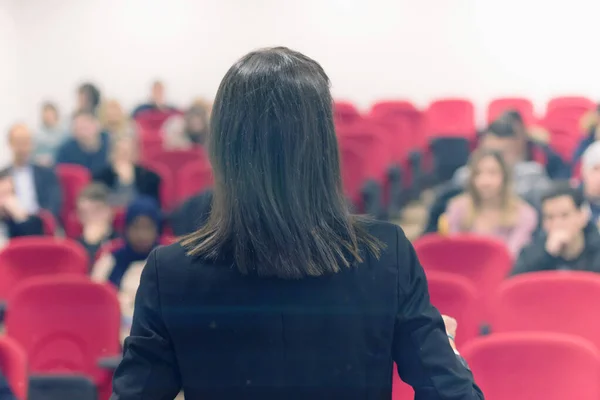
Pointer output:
x,y
568,241
88,98
89,146
14,219
157,101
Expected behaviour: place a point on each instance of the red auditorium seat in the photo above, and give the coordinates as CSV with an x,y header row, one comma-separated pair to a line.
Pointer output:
x,y
498,106
151,121
400,390
66,325
553,301
72,179
485,262
580,102
48,222
193,178
532,366
150,144
27,257
392,108
450,117
13,364
345,113
353,167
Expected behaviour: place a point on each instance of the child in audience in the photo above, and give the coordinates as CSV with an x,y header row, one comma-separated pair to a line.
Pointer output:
x,y
49,137
113,120
96,218
124,177
489,206
569,240
189,130
123,267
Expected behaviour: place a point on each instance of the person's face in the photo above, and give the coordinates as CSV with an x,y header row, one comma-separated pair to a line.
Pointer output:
x,y
49,117
158,93
196,124
85,128
21,144
114,112
124,150
93,212
488,178
83,100
142,234
508,147
561,214
591,181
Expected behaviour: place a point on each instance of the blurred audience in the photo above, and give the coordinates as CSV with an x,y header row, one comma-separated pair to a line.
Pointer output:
x,y
124,177
124,265
113,119
89,146
589,125
590,174
15,220
157,101
529,177
569,241
36,186
88,98
187,131
96,218
51,134
191,214
490,206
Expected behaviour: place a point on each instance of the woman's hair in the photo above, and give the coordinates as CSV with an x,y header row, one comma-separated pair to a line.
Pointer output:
x,y
122,126
124,137
278,205
92,93
509,200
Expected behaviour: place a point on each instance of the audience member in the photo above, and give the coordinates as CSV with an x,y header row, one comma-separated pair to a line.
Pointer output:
x,y
96,218
89,147
589,124
533,141
15,221
36,186
529,177
186,131
489,206
124,177
191,214
113,119
88,98
157,101
569,240
123,266
51,134
590,174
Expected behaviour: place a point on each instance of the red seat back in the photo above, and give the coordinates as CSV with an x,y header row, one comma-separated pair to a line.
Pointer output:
x,y
13,364
150,144
193,178
500,105
48,222
353,166
527,366
450,117
72,178
570,102
65,325
556,301
345,113
28,257
151,121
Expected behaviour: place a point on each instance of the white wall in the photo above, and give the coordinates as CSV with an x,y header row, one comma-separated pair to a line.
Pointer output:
x,y
10,105
417,49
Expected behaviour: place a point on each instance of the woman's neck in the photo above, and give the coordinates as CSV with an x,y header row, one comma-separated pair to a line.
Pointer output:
x,y
490,204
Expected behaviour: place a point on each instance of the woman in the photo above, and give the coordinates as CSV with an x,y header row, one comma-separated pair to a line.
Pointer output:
x,y
189,130
283,294
113,120
124,177
123,266
49,137
490,206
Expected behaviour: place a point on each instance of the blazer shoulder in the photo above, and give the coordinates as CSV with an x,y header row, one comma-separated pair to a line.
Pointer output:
x,y
390,234
173,254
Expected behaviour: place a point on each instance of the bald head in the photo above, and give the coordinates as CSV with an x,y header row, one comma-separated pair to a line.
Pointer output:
x,y
21,143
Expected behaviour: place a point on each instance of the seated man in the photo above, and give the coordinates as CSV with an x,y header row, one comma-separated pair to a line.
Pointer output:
x,y
590,174
35,186
157,101
15,221
569,241
89,146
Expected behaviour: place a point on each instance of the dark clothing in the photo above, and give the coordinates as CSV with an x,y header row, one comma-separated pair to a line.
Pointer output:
x,y
5,390
191,214
71,152
535,258
32,226
583,145
203,327
92,248
146,182
47,189
556,167
152,107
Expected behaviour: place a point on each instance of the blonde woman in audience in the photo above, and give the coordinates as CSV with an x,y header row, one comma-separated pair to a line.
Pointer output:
x,y
489,206
51,134
113,119
188,130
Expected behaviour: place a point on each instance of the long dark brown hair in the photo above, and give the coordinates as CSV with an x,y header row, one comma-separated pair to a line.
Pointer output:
x,y
278,205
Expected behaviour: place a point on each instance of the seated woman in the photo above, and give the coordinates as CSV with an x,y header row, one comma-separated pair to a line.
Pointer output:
x,y
489,206
113,119
51,134
96,218
123,267
124,177
189,130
